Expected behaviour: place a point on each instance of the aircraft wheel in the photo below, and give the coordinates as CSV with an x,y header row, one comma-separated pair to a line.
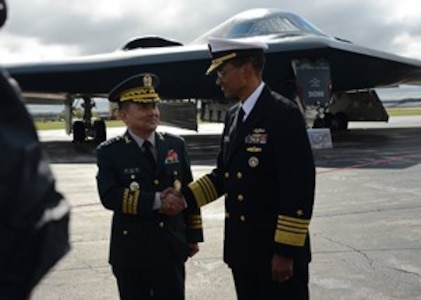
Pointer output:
x,y
100,132
325,122
79,133
339,121
319,123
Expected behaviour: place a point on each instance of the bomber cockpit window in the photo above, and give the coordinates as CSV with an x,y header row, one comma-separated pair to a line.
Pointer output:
x,y
265,26
253,23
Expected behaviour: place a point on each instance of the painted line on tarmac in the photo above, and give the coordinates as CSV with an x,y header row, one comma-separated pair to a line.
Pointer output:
x,y
372,163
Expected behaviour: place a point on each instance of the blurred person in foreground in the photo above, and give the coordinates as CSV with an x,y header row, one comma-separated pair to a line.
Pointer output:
x,y
34,217
152,235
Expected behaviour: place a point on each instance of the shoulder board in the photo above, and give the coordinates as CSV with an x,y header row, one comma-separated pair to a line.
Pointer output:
x,y
281,99
110,142
169,136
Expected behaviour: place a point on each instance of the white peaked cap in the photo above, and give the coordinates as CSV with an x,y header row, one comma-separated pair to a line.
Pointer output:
x,y
223,49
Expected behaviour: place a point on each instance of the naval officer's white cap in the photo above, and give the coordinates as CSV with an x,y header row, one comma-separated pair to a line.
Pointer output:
x,y
223,50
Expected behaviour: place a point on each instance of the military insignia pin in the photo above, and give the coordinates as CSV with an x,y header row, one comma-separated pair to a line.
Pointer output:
x,y
253,161
254,149
259,130
134,186
172,157
147,80
177,185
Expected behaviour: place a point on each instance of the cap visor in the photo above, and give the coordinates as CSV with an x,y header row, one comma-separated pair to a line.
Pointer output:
x,y
213,67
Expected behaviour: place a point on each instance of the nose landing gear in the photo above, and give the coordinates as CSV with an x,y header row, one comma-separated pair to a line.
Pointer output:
x,y
85,129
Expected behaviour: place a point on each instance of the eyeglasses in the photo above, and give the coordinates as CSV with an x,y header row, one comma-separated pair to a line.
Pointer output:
x,y
222,73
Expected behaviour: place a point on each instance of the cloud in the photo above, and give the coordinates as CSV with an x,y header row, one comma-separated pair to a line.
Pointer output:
x,y
48,28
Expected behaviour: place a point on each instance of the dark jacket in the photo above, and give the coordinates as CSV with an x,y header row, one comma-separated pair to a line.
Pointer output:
x,y
267,176
34,217
141,237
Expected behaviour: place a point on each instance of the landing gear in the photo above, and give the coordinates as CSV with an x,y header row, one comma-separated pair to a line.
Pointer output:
x,y
79,132
84,129
339,122
323,122
100,133
336,122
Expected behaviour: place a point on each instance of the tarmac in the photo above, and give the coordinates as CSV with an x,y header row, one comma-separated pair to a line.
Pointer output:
x,y
365,230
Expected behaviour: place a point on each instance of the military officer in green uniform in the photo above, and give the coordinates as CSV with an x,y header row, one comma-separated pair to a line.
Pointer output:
x,y
266,175
152,236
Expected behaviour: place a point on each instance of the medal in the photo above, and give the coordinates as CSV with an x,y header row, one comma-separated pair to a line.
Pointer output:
x,y
134,186
253,161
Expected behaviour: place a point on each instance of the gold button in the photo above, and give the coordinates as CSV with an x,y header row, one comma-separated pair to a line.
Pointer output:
x,y
227,215
161,224
132,176
227,174
239,175
240,197
242,218
156,182
125,232
175,173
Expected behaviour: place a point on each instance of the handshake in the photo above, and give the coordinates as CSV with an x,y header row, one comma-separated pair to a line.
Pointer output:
x,y
172,202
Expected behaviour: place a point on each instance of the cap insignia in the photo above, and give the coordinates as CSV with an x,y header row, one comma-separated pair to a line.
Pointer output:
x,y
147,81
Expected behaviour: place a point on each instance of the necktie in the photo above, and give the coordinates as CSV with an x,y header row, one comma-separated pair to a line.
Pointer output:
x,y
147,149
240,117
239,121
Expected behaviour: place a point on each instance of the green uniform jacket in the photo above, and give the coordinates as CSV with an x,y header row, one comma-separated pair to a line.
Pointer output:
x,y
142,238
267,176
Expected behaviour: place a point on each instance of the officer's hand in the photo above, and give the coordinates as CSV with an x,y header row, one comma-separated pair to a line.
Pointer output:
x,y
168,190
172,203
282,267
194,248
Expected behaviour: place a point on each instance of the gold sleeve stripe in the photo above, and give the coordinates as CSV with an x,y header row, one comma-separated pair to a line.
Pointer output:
x,y
203,191
125,194
290,238
196,226
292,224
291,219
293,227
194,221
291,231
195,217
209,188
130,202
135,202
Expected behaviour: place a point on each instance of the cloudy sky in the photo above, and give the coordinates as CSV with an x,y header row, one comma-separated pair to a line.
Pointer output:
x,y
45,29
